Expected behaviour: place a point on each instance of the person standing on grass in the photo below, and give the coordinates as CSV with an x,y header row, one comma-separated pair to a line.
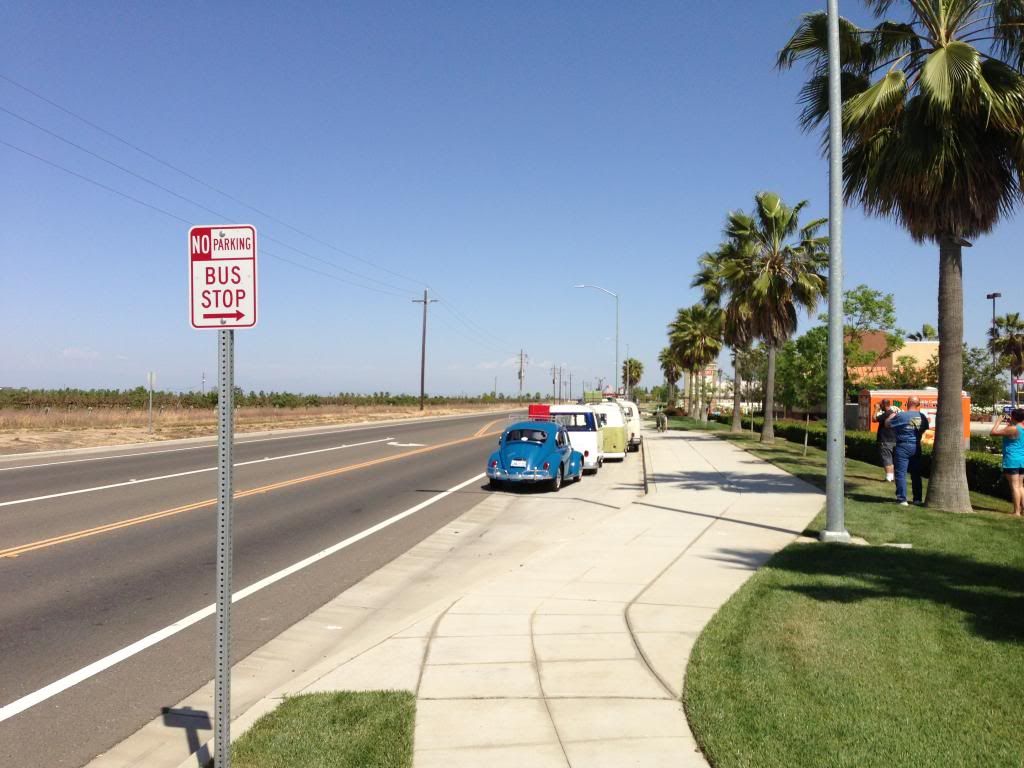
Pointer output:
x,y
909,426
1012,432
886,438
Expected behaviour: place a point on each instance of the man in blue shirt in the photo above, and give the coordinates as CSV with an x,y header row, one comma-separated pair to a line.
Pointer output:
x,y
909,426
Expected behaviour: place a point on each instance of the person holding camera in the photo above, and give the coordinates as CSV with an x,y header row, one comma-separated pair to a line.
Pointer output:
x,y
1012,432
909,426
886,438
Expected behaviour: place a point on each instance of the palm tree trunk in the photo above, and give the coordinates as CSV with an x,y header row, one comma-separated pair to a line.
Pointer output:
x,y
705,398
768,431
947,485
694,394
737,397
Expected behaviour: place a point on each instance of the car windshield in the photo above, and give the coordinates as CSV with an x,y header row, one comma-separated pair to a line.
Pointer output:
x,y
526,436
575,422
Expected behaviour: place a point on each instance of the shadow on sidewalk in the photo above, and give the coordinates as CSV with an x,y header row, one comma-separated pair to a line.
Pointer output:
x,y
191,721
760,482
730,520
529,489
990,596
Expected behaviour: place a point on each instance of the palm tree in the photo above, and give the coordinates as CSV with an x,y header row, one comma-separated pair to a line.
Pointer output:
x,y
632,370
932,112
769,268
696,338
679,332
672,370
1006,340
927,333
710,280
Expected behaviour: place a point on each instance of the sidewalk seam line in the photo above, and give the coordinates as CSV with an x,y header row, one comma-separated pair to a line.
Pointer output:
x,y
680,556
430,640
540,687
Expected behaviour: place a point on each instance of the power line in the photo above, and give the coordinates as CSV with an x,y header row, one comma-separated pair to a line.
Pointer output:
x,y
206,184
218,214
176,217
471,326
455,329
493,344
99,184
219,191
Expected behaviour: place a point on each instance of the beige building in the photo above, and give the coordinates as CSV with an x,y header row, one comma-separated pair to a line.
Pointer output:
x,y
874,341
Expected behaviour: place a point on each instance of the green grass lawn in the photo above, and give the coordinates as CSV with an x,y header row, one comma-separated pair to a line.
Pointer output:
x,y
870,656
332,730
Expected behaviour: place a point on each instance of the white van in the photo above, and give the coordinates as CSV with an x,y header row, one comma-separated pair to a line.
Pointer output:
x,y
585,433
613,425
631,413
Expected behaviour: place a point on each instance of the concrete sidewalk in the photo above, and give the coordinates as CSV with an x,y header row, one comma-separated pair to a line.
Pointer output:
x,y
542,629
578,658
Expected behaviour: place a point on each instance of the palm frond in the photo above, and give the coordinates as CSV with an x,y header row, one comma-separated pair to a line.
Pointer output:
x,y
810,43
949,74
813,97
1008,22
866,112
935,139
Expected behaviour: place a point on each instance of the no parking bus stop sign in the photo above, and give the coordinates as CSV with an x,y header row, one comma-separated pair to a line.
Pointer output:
x,y
222,281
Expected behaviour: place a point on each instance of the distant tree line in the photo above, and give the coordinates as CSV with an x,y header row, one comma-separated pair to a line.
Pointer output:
x,y
71,398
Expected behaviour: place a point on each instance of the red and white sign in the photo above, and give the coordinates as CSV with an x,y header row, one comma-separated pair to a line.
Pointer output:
x,y
222,279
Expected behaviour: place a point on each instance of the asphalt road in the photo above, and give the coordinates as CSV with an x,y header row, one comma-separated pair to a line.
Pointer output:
x,y
100,550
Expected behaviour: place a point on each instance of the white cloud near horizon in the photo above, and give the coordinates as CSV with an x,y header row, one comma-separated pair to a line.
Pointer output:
x,y
79,353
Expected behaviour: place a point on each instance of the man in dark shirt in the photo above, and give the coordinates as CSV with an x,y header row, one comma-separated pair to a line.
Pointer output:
x,y
886,439
909,426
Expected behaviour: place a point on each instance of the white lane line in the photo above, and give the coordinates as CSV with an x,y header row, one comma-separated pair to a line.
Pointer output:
x,y
68,681
190,472
242,442
406,445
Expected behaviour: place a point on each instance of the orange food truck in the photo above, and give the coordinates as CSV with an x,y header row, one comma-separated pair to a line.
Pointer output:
x,y
870,399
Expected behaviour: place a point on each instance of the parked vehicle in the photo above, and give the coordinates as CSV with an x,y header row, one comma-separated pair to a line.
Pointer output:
x,y
534,452
631,414
586,436
613,428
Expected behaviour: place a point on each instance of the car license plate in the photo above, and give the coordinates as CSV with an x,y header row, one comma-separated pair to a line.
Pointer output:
x,y
518,463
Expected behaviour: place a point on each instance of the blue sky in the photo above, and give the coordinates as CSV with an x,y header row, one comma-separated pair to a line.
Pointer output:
x,y
497,152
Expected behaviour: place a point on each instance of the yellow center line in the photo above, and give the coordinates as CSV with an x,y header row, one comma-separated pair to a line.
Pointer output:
x,y
480,432
68,537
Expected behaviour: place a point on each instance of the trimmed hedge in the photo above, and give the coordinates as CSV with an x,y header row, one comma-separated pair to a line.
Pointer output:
x,y
984,470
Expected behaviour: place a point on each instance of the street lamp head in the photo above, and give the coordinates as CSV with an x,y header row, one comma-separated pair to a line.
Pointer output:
x,y
994,296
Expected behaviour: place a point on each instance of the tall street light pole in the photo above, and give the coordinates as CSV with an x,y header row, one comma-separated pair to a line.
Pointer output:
x,y
835,519
423,348
993,297
618,373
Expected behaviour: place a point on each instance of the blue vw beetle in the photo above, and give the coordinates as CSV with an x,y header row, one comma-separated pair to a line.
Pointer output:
x,y
532,452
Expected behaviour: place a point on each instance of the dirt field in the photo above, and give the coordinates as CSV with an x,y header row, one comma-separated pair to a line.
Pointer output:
x,y
24,431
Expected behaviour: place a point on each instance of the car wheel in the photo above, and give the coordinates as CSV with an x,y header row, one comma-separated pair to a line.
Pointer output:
x,y
494,485
556,481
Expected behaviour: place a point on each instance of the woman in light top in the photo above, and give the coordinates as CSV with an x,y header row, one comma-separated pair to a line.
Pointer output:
x,y
1012,432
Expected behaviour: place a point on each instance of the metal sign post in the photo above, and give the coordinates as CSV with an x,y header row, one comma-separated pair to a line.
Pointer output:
x,y
151,381
225,443
222,295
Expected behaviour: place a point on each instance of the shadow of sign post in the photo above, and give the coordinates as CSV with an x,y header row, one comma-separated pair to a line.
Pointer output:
x,y
191,721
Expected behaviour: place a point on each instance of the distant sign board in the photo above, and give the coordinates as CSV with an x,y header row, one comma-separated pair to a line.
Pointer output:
x,y
222,276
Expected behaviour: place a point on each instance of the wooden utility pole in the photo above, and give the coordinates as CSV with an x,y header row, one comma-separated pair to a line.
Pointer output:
x,y
522,374
423,348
